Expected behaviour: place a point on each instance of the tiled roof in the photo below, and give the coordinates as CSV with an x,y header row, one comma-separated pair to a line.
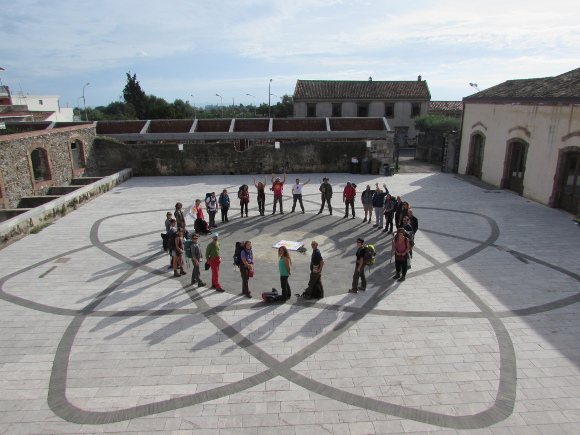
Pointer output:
x,y
564,88
368,89
445,106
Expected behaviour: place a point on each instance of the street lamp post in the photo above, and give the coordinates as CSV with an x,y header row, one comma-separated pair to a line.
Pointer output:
x,y
255,109
194,109
85,102
222,103
269,87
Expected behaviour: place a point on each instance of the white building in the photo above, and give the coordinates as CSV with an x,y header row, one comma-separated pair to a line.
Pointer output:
x,y
45,103
524,135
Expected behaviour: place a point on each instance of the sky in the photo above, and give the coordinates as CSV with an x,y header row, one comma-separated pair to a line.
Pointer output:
x,y
192,49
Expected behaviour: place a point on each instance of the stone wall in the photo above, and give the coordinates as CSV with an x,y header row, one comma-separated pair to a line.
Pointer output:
x,y
16,177
298,156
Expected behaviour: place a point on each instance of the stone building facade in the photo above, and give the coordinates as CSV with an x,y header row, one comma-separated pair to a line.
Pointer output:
x,y
32,162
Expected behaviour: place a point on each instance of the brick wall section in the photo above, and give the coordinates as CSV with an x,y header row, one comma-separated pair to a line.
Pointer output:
x,y
15,166
222,158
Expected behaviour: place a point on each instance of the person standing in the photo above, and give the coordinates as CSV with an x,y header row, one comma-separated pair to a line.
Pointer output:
x,y
171,240
212,254
278,189
211,205
246,268
196,257
297,194
284,265
200,224
388,211
414,221
178,250
179,216
224,204
261,187
348,195
244,196
359,268
325,194
316,265
169,216
367,202
378,204
398,210
401,246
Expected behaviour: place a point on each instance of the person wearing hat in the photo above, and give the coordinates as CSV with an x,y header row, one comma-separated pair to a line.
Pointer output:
x,y
326,195
212,254
359,268
196,257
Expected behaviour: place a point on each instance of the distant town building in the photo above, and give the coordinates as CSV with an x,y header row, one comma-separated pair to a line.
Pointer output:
x,y
32,107
397,101
524,135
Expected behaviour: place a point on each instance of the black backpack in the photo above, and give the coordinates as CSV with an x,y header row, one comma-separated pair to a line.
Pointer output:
x,y
238,253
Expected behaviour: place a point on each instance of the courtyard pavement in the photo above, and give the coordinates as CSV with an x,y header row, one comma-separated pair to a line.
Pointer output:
x,y
482,338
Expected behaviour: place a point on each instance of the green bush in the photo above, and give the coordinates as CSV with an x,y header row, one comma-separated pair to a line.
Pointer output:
x,y
436,122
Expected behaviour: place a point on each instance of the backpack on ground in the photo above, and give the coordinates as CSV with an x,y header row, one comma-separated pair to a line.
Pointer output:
x,y
370,254
238,253
272,296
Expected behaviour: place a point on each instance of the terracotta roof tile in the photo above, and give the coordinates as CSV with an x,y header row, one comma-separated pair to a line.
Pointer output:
x,y
445,106
371,89
564,88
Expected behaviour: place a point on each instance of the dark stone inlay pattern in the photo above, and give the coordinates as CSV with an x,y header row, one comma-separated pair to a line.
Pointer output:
x,y
501,409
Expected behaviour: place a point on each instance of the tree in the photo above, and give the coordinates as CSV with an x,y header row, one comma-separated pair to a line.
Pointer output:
x,y
436,122
133,94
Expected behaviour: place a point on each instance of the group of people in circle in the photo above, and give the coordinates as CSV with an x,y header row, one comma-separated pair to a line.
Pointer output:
x,y
391,214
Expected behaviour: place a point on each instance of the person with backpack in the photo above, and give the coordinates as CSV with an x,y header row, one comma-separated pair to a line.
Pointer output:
x,y
261,187
246,267
196,257
401,246
179,216
389,211
211,205
244,197
224,205
316,265
359,268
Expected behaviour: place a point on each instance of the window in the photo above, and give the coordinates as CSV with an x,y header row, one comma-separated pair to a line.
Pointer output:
x,y
362,110
77,154
415,110
389,110
311,110
336,110
40,102
40,166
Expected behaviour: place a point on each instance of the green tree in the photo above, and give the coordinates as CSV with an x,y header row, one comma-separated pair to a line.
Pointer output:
x,y
436,122
133,94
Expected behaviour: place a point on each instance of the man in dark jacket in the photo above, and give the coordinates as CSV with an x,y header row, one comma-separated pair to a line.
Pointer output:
x,y
326,195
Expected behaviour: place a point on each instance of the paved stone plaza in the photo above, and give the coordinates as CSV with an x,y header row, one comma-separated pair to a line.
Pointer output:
x,y
97,336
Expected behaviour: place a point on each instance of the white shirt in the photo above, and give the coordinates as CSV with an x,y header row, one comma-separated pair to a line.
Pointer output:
x,y
297,188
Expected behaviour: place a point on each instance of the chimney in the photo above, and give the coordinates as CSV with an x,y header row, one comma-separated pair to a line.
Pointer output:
x,y
370,79
418,78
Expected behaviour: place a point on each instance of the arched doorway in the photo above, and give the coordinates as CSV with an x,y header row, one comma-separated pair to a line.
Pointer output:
x,y
475,160
515,166
569,198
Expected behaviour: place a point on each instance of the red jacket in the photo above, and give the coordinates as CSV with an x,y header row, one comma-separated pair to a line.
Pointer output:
x,y
349,193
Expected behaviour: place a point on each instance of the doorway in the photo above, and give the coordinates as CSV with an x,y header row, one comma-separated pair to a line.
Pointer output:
x,y
516,167
570,184
475,161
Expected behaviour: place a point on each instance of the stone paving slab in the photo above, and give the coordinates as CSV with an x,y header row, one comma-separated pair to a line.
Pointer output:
x,y
97,336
